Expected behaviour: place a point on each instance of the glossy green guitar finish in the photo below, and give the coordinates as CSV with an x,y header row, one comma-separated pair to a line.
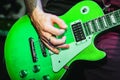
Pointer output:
x,y
25,58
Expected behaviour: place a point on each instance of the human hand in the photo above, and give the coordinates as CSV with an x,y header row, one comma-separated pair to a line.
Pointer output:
x,y
44,22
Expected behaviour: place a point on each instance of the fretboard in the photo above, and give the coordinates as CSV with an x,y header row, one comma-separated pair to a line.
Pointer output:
x,y
105,22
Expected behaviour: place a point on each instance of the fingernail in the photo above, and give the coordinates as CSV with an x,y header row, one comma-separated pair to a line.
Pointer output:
x,y
62,31
64,38
65,26
57,52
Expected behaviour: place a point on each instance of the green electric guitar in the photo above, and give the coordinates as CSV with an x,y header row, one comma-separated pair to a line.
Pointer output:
x,y
28,59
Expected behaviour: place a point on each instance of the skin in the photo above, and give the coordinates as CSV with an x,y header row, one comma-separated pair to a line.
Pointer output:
x,y
44,22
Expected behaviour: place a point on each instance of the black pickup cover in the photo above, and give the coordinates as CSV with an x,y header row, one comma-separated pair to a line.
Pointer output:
x,y
78,31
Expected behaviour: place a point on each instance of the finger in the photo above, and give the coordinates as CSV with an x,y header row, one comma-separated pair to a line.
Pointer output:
x,y
56,41
63,46
59,21
45,35
54,30
51,47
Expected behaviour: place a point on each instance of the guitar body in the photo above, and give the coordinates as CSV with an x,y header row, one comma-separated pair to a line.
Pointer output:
x,y
24,56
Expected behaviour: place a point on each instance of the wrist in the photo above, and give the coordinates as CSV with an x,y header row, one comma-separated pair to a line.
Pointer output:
x,y
36,13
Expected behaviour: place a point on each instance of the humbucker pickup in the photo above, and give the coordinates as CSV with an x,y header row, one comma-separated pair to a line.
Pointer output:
x,y
78,31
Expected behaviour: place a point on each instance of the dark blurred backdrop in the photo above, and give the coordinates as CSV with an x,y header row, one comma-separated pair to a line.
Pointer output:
x,y
10,11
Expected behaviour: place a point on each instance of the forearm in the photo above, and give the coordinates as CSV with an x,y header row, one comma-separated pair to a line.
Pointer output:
x,y
33,5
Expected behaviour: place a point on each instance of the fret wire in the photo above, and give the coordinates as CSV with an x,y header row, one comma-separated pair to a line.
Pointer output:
x,y
108,20
91,26
98,26
86,29
101,23
113,18
117,16
119,12
105,22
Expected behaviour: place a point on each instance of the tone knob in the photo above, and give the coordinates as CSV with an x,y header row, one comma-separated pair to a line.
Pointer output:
x,y
36,68
46,77
23,73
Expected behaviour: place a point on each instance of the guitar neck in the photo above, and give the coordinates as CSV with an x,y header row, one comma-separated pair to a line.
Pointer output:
x,y
103,23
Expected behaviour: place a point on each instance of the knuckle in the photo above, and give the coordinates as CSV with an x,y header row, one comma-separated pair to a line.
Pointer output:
x,y
45,28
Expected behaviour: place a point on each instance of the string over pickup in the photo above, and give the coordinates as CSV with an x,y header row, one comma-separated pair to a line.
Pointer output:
x,y
32,47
